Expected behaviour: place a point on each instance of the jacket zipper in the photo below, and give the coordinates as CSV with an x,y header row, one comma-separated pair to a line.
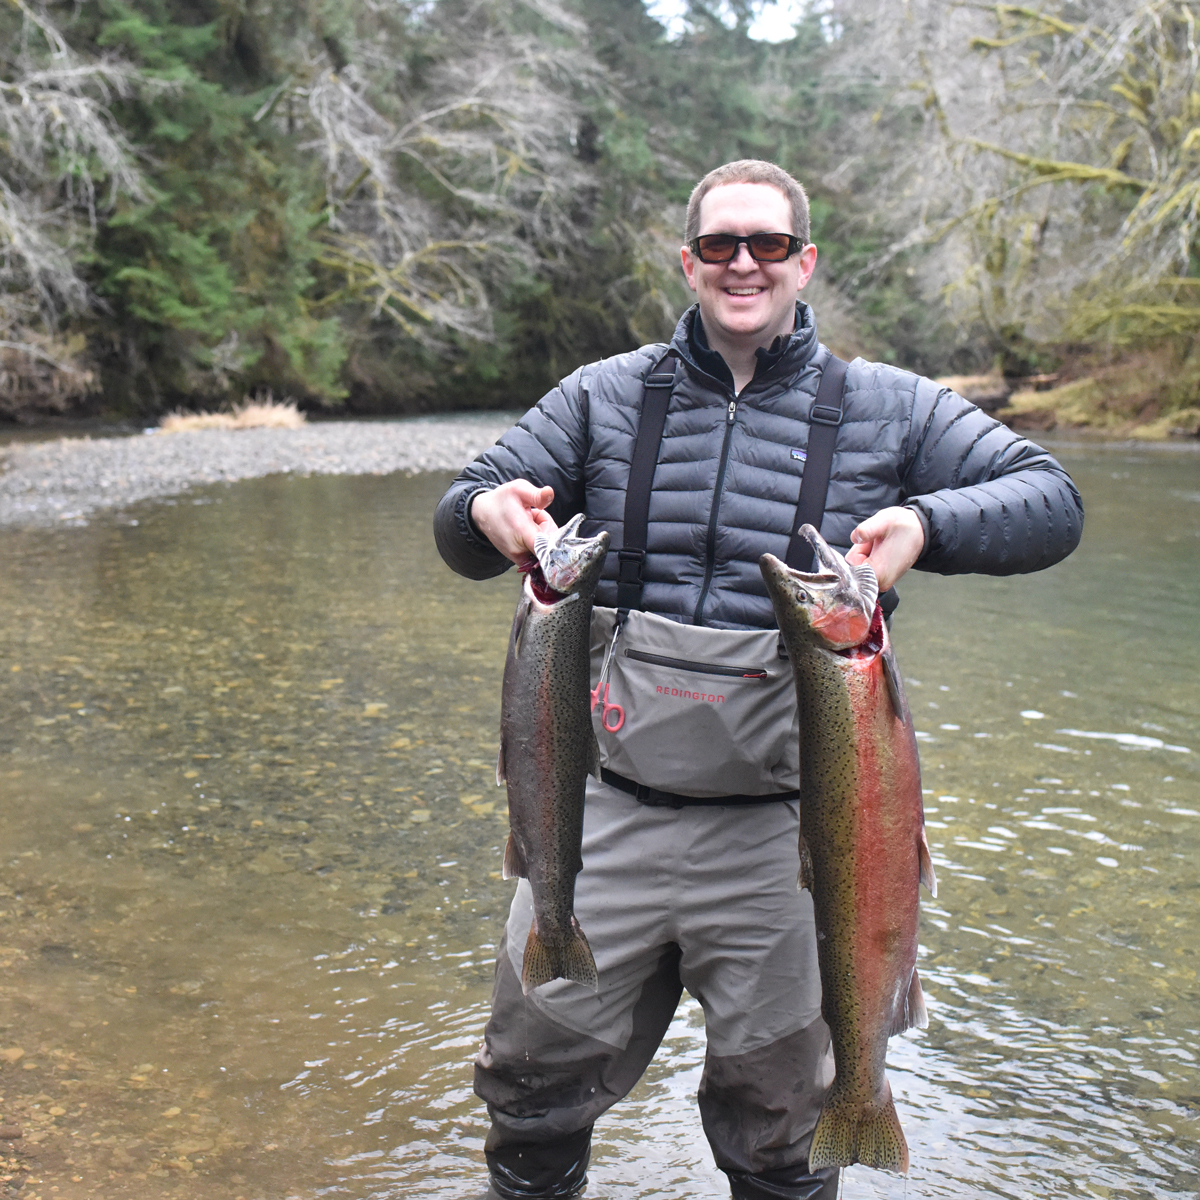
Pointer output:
x,y
699,668
710,546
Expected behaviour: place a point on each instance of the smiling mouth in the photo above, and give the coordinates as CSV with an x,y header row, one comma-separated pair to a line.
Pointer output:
x,y
750,291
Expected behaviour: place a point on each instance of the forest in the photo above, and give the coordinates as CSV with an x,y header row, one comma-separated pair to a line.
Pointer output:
x,y
400,206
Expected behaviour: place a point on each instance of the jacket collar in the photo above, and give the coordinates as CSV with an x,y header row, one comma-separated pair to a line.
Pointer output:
x,y
785,358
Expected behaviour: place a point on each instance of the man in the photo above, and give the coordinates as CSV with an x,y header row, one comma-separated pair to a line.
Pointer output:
x,y
701,893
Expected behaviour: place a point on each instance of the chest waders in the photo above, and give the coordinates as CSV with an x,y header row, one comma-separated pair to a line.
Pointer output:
x,y
703,722
686,714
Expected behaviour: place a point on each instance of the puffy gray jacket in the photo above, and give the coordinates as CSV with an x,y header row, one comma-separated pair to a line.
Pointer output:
x,y
728,475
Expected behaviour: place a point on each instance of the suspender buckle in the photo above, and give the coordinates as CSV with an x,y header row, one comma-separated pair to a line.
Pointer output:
x,y
823,415
629,566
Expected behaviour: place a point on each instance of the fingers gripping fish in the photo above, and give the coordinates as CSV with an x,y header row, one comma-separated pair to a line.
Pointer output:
x,y
548,747
862,844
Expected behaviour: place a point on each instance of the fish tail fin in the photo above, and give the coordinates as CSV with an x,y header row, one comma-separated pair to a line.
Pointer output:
x,y
912,1014
928,876
804,879
543,962
514,861
849,1132
579,964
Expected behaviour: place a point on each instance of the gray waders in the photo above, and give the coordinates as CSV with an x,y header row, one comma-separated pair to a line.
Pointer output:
x,y
689,880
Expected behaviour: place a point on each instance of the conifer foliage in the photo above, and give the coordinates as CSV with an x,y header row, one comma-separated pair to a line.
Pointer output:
x,y
401,206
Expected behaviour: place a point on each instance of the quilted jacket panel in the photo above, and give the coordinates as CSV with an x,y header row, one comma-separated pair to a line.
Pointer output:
x,y
991,501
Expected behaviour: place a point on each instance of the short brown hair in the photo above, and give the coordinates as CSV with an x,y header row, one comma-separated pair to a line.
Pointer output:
x,y
749,170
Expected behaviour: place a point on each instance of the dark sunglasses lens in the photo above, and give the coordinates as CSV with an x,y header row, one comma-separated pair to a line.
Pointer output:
x,y
763,247
770,247
716,247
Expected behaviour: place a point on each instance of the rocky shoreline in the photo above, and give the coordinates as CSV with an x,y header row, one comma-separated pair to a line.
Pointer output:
x,y
70,479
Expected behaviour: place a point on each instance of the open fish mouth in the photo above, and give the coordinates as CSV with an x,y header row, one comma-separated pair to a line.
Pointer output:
x,y
561,559
839,601
858,584
535,580
872,644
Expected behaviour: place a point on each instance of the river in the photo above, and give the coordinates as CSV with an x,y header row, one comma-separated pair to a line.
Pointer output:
x,y
250,859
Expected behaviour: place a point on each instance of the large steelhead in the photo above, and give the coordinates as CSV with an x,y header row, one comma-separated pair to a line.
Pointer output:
x,y
862,843
548,747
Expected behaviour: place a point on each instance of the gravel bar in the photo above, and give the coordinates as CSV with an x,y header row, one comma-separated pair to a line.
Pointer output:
x,y
46,483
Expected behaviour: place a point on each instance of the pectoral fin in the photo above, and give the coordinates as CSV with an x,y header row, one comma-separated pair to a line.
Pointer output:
x,y
891,673
518,625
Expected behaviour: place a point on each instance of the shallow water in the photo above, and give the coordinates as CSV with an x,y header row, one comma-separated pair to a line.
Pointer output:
x,y
249,867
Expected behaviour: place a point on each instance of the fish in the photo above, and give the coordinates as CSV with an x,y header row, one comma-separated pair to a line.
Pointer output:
x,y
863,850
548,746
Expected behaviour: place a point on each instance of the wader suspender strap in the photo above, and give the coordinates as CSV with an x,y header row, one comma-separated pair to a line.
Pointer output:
x,y
631,558
824,419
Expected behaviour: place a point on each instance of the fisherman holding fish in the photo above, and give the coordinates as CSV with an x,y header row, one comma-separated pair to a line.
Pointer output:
x,y
696,460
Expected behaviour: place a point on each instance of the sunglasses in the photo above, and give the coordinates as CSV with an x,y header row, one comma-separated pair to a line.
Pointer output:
x,y
763,247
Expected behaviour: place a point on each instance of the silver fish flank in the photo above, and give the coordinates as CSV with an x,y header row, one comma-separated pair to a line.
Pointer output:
x,y
548,747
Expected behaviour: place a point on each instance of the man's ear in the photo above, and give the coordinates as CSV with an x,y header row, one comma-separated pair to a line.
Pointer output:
x,y
808,263
689,267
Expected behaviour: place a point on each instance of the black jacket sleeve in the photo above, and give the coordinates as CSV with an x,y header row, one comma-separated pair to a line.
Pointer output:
x,y
990,500
548,446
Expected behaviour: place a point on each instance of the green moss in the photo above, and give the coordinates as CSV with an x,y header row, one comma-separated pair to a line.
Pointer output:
x,y
1149,395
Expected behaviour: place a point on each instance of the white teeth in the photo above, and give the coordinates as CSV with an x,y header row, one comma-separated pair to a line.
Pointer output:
x,y
743,291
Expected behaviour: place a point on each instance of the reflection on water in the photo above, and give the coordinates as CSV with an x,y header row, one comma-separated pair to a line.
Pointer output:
x,y
251,846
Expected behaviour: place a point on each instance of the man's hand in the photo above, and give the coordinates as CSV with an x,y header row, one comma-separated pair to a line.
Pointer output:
x,y
511,515
890,542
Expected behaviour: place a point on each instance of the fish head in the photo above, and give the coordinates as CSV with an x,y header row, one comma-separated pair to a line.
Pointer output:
x,y
832,606
565,564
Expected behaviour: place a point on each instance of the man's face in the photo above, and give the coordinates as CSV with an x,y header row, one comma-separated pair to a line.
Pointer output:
x,y
746,302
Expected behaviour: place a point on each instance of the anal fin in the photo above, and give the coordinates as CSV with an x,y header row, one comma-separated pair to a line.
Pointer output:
x,y
514,861
912,1014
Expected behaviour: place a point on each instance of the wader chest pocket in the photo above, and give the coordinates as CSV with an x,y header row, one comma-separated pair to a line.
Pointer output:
x,y
695,711
700,668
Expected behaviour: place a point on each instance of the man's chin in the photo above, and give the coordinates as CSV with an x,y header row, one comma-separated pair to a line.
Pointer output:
x,y
740,323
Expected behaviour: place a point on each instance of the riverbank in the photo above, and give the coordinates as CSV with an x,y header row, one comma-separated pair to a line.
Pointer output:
x,y
68,480
1148,395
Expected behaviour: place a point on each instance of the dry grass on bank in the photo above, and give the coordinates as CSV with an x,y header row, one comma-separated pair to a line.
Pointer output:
x,y
251,414
1152,395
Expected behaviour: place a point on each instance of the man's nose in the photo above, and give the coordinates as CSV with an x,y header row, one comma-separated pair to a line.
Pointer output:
x,y
743,259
